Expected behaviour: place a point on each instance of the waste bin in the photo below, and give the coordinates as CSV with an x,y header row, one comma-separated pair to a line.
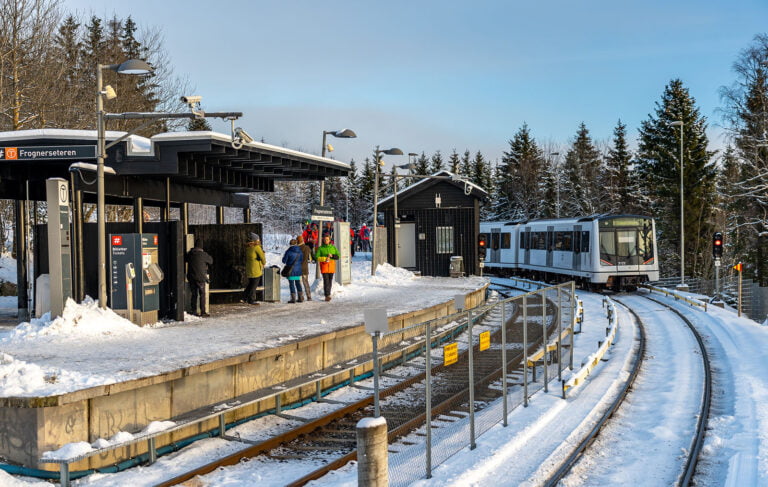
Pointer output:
x,y
272,284
456,268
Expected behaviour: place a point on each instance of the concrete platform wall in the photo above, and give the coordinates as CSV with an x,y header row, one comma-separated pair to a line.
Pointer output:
x,y
31,426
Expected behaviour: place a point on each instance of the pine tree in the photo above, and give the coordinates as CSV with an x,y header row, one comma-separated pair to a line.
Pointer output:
x,y
580,191
519,188
454,162
198,125
658,170
422,165
621,191
436,163
466,165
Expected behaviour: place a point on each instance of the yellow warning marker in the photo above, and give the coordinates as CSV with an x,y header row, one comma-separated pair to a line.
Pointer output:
x,y
450,354
485,340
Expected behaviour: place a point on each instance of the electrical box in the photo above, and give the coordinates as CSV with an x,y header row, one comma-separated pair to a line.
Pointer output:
x,y
344,264
135,276
59,244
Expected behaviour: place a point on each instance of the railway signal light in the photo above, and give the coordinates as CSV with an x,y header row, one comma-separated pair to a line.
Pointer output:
x,y
482,246
717,245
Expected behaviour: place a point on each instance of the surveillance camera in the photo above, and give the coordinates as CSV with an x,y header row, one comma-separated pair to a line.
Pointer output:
x,y
243,135
191,100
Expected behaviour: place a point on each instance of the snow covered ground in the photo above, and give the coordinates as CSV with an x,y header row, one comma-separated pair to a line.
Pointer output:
x,y
736,447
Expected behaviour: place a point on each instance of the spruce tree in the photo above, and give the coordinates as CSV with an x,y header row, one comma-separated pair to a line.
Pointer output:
x,y
454,162
580,191
422,165
621,193
466,165
436,164
658,171
519,178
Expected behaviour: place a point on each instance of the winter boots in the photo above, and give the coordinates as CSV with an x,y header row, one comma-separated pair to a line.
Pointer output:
x,y
301,298
309,296
293,298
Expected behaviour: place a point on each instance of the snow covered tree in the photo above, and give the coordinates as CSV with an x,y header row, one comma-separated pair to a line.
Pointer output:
x,y
454,162
436,163
619,184
580,191
658,172
519,179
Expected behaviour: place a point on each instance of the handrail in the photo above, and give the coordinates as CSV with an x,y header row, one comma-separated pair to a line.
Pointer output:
x,y
680,297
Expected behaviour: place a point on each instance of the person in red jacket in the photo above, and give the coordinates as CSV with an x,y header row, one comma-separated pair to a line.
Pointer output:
x,y
365,238
351,241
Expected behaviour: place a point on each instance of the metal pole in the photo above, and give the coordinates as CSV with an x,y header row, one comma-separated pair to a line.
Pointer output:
x,y
396,223
472,444
573,317
504,361
525,350
375,211
376,409
559,333
717,279
100,213
682,214
428,392
739,290
544,338
322,181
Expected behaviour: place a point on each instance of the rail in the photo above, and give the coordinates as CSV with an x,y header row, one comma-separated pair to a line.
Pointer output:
x,y
678,297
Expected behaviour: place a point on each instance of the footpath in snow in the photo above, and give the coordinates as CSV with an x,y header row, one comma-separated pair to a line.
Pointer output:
x,y
88,346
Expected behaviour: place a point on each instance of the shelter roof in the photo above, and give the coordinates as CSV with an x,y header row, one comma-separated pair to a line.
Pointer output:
x,y
471,189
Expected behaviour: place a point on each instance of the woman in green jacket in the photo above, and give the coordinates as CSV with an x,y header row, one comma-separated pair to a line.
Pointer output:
x,y
327,255
254,268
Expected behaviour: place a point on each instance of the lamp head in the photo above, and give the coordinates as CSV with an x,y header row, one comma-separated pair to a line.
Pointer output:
x,y
676,123
394,151
344,133
132,66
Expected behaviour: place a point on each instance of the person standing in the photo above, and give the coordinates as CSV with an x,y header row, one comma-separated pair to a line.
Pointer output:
x,y
327,255
351,241
198,261
365,238
293,257
254,268
307,256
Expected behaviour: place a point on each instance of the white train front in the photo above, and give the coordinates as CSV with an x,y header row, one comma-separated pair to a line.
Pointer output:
x,y
601,251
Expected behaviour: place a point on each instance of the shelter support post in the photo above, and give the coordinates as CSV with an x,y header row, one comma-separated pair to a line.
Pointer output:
x,y
22,279
138,214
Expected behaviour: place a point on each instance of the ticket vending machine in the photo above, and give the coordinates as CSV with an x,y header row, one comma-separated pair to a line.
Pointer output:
x,y
135,276
59,245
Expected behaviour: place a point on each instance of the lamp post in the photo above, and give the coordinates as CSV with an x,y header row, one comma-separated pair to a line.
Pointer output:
x,y
394,151
341,134
134,67
679,123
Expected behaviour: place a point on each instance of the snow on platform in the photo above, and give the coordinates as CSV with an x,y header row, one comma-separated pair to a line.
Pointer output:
x,y
90,347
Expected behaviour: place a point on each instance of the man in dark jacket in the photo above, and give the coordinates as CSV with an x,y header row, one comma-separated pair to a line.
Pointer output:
x,y
198,261
306,251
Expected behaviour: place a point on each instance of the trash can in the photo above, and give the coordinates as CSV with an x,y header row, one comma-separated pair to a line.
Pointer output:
x,y
272,284
456,268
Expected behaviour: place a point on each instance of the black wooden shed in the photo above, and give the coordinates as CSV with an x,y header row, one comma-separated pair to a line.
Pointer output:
x,y
438,218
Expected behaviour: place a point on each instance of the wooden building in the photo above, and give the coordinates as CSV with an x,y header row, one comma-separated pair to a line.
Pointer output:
x,y
439,218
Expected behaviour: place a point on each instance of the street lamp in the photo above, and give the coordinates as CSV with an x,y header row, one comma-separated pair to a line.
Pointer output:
x,y
679,123
134,67
341,134
377,165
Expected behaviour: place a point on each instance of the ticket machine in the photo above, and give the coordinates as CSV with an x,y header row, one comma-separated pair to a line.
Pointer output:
x,y
135,276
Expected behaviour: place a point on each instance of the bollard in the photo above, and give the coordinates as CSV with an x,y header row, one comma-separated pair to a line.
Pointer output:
x,y
372,460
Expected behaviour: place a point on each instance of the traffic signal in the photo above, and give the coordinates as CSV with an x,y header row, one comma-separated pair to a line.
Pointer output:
x,y
482,245
717,245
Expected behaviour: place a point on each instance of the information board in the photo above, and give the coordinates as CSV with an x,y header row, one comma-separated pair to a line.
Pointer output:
x,y
450,354
485,340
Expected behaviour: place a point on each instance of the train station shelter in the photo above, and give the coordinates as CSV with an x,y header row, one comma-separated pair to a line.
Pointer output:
x,y
437,222
169,171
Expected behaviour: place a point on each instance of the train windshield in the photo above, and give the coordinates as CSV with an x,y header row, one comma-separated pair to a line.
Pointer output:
x,y
626,241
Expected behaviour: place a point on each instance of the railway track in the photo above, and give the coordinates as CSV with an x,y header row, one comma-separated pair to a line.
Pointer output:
x,y
697,440
331,440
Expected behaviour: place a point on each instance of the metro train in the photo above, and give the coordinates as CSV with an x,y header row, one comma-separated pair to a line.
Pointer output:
x,y
599,252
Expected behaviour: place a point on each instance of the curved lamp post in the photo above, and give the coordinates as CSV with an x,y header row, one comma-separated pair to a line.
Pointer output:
x,y
134,67
341,134
394,151
679,123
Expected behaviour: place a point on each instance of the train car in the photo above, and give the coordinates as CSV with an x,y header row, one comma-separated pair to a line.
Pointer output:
x,y
599,251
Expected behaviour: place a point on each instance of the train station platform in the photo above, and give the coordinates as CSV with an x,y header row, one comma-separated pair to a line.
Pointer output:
x,y
89,374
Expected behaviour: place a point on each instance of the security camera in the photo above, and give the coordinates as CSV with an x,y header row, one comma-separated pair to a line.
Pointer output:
x,y
191,100
243,135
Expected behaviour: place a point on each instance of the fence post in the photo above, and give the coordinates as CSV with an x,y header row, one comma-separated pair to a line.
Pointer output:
x,y
544,338
573,318
372,460
375,339
428,392
504,361
472,444
560,332
525,351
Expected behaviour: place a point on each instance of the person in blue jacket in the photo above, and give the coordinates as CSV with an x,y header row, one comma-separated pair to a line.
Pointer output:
x,y
293,257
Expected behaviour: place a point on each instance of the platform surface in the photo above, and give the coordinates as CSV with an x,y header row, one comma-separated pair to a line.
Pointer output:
x,y
89,347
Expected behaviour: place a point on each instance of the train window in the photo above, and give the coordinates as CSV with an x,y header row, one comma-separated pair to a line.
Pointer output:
x,y
626,244
585,241
645,244
608,246
559,241
444,240
506,240
522,240
567,241
541,240
495,241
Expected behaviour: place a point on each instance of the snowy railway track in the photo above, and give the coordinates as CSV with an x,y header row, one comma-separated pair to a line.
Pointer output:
x,y
589,447
331,439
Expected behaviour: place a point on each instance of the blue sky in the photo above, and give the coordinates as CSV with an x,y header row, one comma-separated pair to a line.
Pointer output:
x,y
428,75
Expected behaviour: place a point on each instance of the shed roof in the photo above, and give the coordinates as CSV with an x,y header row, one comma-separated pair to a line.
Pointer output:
x,y
454,179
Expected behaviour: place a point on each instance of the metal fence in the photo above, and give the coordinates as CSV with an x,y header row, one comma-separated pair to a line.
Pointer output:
x,y
477,370
754,299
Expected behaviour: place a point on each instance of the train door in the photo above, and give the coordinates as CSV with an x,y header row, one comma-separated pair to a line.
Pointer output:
x,y
550,245
527,247
576,247
495,245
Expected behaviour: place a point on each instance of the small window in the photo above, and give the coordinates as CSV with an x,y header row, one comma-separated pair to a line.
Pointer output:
x,y
585,241
444,240
506,240
495,241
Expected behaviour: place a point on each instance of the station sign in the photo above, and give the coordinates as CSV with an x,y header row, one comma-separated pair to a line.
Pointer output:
x,y
44,153
322,213
451,354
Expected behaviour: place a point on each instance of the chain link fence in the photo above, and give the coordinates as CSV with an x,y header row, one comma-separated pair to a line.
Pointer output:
x,y
469,370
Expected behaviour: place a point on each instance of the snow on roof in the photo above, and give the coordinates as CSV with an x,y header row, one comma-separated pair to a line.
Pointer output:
x,y
455,179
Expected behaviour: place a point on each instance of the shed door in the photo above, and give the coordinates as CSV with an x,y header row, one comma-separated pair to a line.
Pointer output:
x,y
406,245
